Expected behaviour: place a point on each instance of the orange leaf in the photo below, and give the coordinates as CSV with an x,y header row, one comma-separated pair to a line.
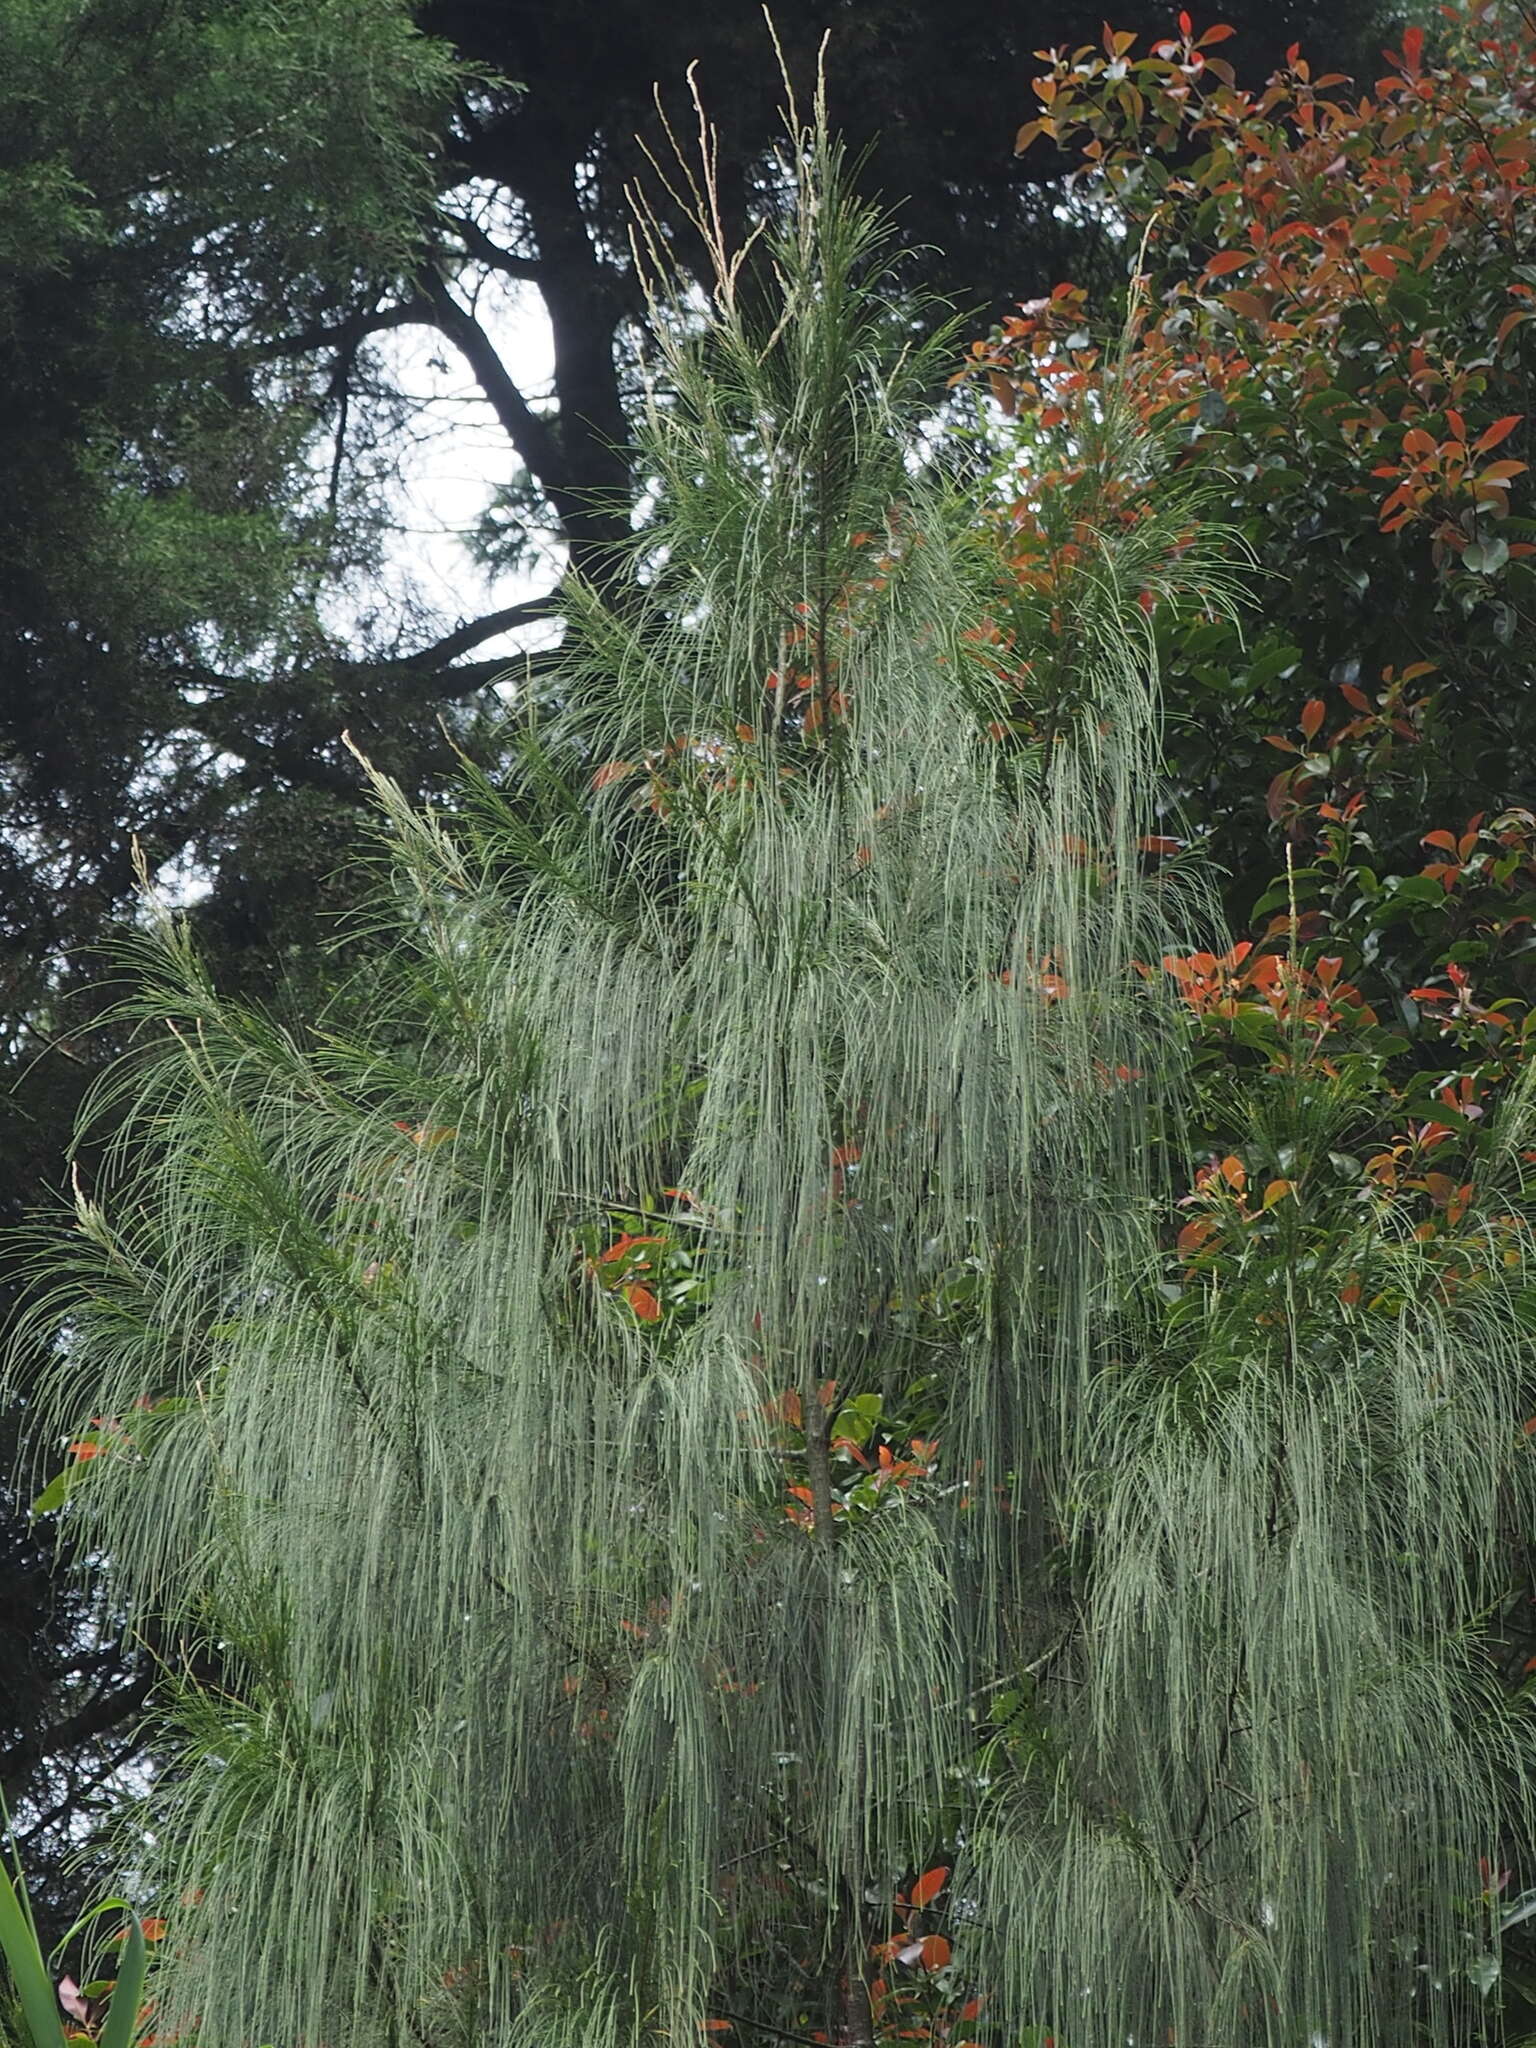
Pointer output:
x,y
936,1951
621,1245
1218,34
1277,1192
1499,431
1194,1234
1228,260
1249,304
643,1302
929,1885
612,771
1312,715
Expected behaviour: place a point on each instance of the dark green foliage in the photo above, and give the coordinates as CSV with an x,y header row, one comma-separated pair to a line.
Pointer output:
x,y
182,184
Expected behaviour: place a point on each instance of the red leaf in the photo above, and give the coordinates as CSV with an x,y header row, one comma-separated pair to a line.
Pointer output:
x,y
1228,260
1311,720
1413,48
1186,27
1382,261
643,1302
936,1951
1218,34
612,771
929,1885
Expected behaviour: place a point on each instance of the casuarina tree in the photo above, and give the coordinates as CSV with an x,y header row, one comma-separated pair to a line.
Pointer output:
x,y
652,1404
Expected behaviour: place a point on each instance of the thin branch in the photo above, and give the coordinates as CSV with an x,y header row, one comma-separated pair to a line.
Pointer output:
x,y
346,334
762,2027
534,438
479,245
471,633
106,1711
78,1789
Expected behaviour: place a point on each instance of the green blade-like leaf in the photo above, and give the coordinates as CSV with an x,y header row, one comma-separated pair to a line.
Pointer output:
x,y
122,2016
34,1987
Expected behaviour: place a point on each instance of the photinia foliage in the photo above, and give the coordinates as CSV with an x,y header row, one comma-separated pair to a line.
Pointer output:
x,y
1339,282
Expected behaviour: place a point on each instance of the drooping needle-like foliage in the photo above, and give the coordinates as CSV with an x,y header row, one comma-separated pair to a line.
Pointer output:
x,y
619,1400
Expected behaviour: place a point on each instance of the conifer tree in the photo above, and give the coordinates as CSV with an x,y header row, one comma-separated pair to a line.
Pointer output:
x,y
646,1402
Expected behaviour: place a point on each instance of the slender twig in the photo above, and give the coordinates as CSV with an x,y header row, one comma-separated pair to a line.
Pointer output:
x,y
762,2027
